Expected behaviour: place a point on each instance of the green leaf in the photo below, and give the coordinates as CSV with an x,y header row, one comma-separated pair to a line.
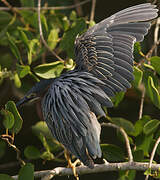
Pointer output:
x,y
32,45
137,47
8,121
151,126
31,152
22,70
14,48
125,124
26,172
26,3
118,98
138,74
155,62
73,16
47,156
143,142
67,42
127,175
10,106
140,124
41,128
23,38
44,142
53,38
148,172
148,66
5,177
50,70
17,80
152,92
112,152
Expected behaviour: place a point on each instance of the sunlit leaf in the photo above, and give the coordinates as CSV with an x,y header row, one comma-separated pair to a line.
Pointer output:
x,y
152,92
17,80
31,152
10,106
73,16
112,152
118,98
155,62
41,128
53,38
22,70
151,126
26,172
47,156
138,74
50,70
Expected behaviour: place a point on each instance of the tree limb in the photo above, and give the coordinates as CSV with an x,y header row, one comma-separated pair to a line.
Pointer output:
x,y
99,168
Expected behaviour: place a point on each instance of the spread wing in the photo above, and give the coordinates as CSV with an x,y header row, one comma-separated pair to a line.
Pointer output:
x,y
106,49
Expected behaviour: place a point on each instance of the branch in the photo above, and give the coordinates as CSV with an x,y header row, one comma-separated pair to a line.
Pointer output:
x,y
142,103
41,32
130,156
46,8
93,10
98,168
152,155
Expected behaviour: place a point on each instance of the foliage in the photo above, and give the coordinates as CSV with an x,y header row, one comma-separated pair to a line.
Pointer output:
x,y
25,59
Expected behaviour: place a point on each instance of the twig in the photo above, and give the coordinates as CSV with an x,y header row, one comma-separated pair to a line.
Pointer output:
x,y
9,6
142,103
98,168
93,10
152,155
41,32
15,148
78,8
46,8
156,31
130,156
153,48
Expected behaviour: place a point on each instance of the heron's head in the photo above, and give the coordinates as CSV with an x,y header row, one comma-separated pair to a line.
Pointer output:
x,y
37,91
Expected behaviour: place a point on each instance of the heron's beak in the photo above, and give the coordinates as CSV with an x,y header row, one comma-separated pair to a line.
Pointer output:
x,y
25,100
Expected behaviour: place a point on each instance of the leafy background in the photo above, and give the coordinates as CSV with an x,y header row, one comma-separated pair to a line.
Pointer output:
x,y
25,60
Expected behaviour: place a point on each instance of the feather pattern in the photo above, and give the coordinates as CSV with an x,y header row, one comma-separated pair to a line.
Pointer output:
x,y
111,59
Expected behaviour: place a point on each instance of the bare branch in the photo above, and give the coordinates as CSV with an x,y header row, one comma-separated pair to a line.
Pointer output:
x,y
142,103
152,155
156,32
98,168
130,156
93,10
41,32
46,8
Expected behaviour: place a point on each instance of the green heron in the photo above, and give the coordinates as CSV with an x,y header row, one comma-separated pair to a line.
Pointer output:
x,y
104,66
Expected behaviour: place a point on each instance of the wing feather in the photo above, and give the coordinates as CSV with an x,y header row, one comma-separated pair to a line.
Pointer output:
x,y
106,49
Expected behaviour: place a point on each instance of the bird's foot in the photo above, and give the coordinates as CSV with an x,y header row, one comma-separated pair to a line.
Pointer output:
x,y
72,165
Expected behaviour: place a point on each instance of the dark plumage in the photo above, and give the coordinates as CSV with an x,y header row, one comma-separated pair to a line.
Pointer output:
x,y
104,66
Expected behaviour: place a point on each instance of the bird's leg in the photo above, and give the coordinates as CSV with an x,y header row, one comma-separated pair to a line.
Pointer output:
x,y
71,165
